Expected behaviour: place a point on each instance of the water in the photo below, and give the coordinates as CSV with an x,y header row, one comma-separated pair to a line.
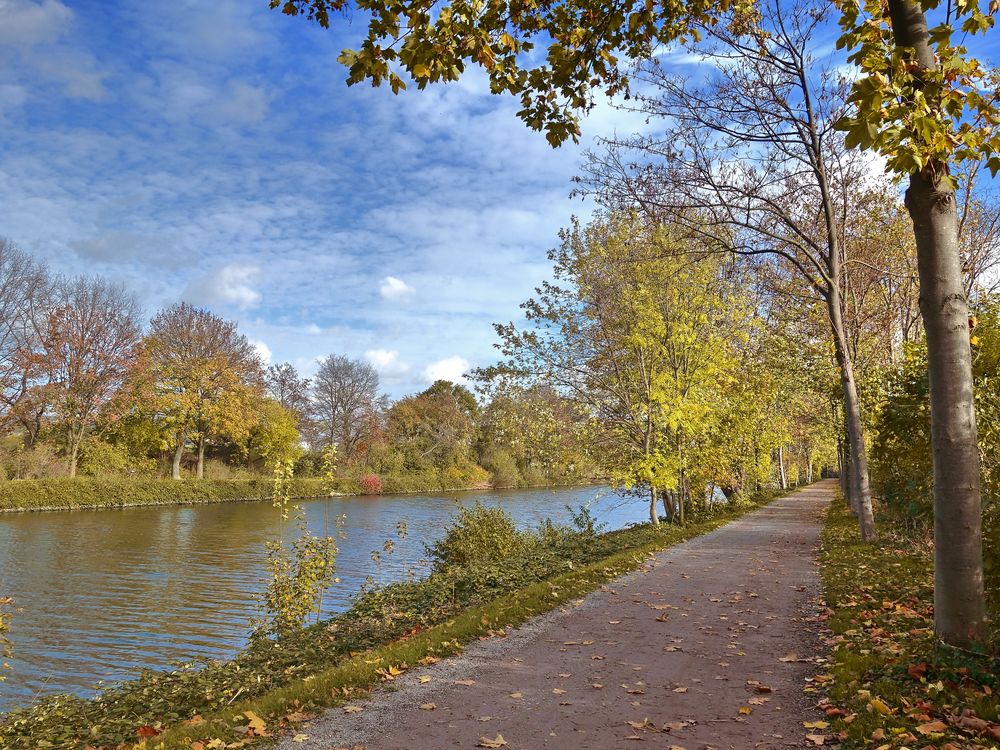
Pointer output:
x,y
105,593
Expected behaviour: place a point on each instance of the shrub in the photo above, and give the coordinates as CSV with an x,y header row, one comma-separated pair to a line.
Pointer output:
x,y
370,484
502,468
480,534
99,458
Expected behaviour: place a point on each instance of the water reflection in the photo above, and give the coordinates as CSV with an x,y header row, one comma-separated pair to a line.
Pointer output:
x,y
105,593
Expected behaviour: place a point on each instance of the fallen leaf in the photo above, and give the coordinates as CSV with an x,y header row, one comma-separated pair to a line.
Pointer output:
x,y
815,724
745,710
487,742
515,695
816,739
466,683
300,738
352,709
256,725
932,727
427,706
680,689
558,691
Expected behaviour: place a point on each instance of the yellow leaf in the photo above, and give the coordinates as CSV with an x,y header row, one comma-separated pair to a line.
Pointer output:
x,y
745,710
487,742
351,709
428,706
256,725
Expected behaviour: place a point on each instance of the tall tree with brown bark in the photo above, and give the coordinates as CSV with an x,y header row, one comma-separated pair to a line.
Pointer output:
x,y
926,105
91,342
208,379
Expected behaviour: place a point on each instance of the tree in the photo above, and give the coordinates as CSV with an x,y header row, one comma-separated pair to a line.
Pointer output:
x,y
589,45
275,438
208,379
90,345
926,105
750,162
25,302
344,396
640,333
283,384
434,427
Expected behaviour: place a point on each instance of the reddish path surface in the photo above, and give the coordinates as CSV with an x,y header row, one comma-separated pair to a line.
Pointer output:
x,y
678,647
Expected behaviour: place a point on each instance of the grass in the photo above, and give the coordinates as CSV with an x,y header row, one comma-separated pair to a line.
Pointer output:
x,y
391,629
890,684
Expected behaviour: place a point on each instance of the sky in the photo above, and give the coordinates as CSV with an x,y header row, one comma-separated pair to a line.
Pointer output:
x,y
212,153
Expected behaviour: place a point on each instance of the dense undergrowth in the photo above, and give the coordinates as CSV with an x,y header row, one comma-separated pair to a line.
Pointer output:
x,y
471,593
107,492
890,684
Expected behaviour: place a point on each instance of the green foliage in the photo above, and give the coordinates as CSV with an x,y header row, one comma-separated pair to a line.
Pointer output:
x,y
588,46
901,465
480,534
99,458
917,112
297,578
112,492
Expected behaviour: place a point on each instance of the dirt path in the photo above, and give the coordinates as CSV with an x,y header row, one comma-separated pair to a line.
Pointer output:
x,y
686,648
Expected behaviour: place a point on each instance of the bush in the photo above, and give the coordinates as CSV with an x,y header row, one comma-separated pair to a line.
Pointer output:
x,y
91,492
480,534
370,484
99,458
502,468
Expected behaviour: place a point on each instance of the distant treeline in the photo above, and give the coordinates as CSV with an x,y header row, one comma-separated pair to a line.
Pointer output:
x,y
89,388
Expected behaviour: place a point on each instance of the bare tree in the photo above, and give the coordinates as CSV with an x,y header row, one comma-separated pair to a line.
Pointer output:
x,y
283,384
91,342
344,396
751,164
25,301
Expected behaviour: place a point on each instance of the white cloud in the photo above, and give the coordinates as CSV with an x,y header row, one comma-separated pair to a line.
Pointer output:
x,y
388,363
23,22
451,368
395,289
263,350
229,285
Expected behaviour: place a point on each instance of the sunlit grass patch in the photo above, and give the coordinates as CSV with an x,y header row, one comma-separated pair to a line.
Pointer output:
x,y
890,684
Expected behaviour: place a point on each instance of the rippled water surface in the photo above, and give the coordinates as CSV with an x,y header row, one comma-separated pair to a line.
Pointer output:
x,y
105,593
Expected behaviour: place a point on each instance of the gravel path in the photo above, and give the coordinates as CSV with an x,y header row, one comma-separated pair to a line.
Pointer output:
x,y
704,647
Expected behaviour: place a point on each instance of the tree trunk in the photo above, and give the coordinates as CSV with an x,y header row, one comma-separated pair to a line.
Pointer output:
x,y
959,608
654,518
201,457
858,484
74,452
781,468
178,453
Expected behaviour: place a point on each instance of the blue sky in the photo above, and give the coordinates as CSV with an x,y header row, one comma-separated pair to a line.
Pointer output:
x,y
211,152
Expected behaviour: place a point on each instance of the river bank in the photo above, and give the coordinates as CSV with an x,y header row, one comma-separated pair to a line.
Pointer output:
x,y
92,493
383,630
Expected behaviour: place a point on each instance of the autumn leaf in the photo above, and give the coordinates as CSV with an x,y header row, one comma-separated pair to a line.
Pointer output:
x,y
465,683
494,743
816,739
427,706
256,725
932,727
351,709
